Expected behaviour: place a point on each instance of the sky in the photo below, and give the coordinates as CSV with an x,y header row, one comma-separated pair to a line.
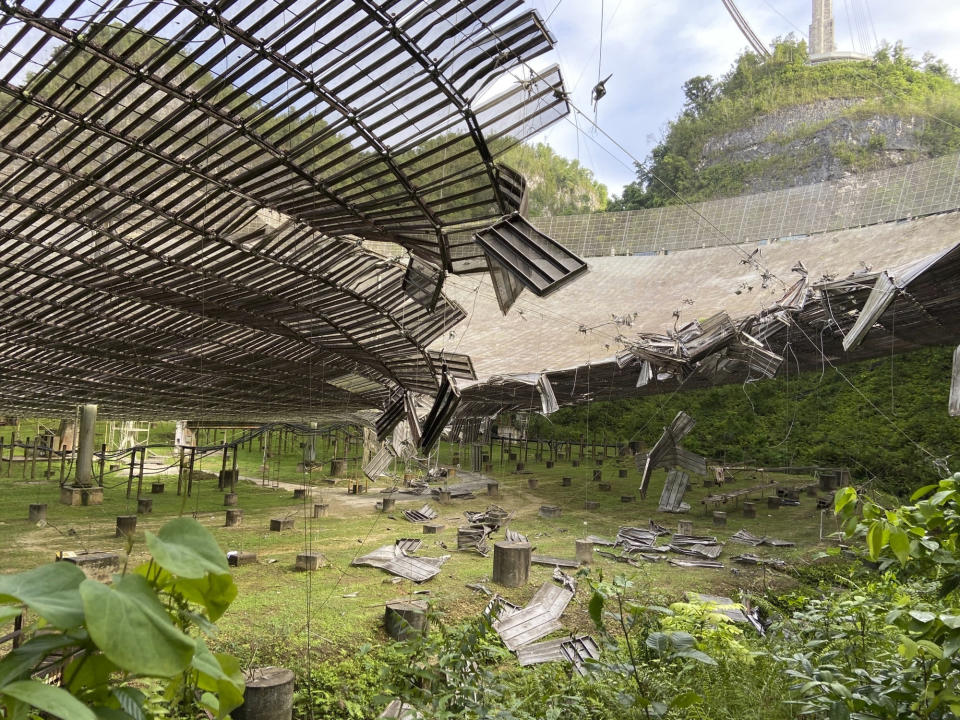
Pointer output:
x,y
651,47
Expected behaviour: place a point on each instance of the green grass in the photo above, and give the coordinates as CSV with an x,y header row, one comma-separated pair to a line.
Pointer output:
x,y
268,621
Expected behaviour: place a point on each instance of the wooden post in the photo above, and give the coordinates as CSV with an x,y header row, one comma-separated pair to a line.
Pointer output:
x,y
133,464
63,466
103,461
193,457
13,443
511,563
234,474
180,471
143,456
33,458
25,446
49,459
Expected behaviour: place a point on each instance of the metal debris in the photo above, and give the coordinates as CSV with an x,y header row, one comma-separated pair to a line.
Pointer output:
x,y
474,537
398,710
695,563
710,552
553,561
379,463
668,453
493,517
499,607
597,540
576,650
396,562
409,545
514,537
673,489
633,538
444,405
751,559
424,514
685,540
537,619
564,579
746,538
723,605
954,403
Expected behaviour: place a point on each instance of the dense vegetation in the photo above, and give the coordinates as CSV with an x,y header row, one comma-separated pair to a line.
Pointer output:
x,y
892,83
809,419
556,185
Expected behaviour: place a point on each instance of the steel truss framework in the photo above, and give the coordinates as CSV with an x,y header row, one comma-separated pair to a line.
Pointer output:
x,y
184,187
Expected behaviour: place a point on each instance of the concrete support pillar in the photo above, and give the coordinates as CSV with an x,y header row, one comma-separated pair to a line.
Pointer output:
x,y
88,422
310,447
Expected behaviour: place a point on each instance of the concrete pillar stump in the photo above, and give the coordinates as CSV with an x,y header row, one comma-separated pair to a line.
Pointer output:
x,y
432,528
338,468
37,512
605,487
144,506
719,517
234,518
685,527
281,524
626,498
591,505
230,499
566,481
549,464
320,510
621,473
550,511
156,488
387,504
532,483
307,562
405,618
584,552
302,493
493,489
511,563
749,509
126,525
443,497
268,695
773,502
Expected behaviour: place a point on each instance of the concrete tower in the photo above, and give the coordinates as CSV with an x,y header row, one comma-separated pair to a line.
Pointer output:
x,y
821,29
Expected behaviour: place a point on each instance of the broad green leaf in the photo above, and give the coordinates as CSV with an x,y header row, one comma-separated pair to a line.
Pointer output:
x,y
133,629
91,671
685,700
696,655
900,544
53,700
108,713
875,538
839,711
9,613
187,549
19,663
596,609
951,644
921,492
213,592
220,674
923,616
49,590
131,700
844,497
940,497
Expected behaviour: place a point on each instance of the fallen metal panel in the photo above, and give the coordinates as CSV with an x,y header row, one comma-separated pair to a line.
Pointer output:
x,y
506,287
757,358
751,559
580,649
390,417
513,536
474,537
747,538
379,463
722,605
392,559
443,408
673,490
710,552
458,365
408,545
422,282
634,538
553,561
538,619
694,540
696,563
541,652
954,406
597,540
422,515
534,259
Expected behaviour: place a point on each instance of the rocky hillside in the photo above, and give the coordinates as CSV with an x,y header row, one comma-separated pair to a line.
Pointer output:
x,y
775,123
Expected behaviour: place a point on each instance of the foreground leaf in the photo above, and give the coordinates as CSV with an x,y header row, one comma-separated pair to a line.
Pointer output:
x,y
187,549
49,590
133,629
53,700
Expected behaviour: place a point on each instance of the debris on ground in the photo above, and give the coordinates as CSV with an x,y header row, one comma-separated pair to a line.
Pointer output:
x,y
395,561
746,538
424,514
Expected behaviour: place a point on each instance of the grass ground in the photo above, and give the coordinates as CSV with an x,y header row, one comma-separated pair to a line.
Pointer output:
x,y
344,604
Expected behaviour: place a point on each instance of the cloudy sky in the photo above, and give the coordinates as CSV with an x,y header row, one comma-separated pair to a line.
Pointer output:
x,y
652,46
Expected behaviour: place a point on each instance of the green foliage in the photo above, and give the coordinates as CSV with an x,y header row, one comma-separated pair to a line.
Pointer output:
x,y
556,185
113,637
892,84
806,419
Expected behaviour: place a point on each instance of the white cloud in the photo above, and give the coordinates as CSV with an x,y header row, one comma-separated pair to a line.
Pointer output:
x,y
653,47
